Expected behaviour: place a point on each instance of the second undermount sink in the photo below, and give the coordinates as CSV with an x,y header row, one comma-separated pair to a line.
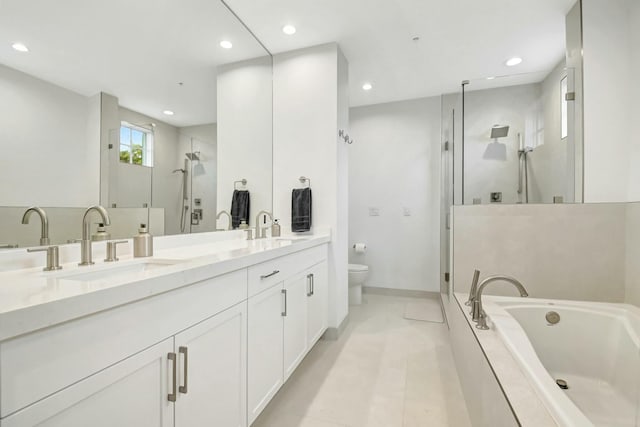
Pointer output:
x,y
116,271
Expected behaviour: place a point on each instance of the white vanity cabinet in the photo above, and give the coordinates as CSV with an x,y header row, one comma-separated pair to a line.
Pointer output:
x,y
130,393
286,318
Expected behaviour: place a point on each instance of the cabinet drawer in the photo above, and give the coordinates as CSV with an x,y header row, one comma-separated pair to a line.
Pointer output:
x,y
36,365
263,276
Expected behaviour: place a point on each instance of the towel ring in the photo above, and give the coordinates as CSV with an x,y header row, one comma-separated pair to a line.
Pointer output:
x,y
304,179
243,181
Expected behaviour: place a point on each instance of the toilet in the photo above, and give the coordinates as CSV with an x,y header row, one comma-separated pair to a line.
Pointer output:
x,y
357,276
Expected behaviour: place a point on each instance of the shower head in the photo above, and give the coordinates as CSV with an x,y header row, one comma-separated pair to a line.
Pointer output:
x,y
193,156
499,131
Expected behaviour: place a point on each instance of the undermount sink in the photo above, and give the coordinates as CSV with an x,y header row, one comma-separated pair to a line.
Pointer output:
x,y
117,270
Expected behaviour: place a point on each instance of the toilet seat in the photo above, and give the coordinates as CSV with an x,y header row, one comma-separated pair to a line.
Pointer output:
x,y
358,267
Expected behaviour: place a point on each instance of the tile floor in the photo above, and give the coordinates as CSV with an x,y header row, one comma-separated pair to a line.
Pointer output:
x,y
384,371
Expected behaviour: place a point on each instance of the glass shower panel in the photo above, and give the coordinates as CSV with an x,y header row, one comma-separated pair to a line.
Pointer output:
x,y
203,185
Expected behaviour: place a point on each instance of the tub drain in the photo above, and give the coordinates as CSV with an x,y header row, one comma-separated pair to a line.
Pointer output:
x,y
552,317
562,384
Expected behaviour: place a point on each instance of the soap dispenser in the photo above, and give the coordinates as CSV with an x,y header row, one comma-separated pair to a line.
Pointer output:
x,y
101,233
275,229
142,243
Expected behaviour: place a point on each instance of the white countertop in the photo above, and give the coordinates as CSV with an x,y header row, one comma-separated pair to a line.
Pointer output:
x,y
31,299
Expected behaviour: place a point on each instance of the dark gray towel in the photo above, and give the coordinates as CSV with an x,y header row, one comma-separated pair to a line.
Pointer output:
x,y
240,207
301,209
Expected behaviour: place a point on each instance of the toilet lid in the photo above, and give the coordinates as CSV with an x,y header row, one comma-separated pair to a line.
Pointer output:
x,y
358,267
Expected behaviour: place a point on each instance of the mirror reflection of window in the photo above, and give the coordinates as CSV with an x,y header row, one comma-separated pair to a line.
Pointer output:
x,y
136,145
563,103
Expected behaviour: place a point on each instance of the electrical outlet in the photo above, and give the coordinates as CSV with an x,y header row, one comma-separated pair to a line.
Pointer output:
x,y
374,212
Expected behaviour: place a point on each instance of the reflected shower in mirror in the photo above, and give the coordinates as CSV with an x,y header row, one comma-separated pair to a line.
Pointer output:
x,y
128,118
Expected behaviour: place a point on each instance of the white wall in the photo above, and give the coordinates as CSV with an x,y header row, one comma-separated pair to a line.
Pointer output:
x,y
608,80
309,106
46,138
245,132
569,251
395,164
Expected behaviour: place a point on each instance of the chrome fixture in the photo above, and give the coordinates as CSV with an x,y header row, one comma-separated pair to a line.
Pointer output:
x,y
499,131
345,136
552,317
53,258
44,223
242,181
193,156
523,169
184,196
477,313
8,245
304,179
229,227
474,287
85,243
112,247
261,232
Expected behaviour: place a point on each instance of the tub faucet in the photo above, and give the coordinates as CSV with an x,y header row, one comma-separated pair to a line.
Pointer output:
x,y
85,243
229,227
261,232
44,223
478,314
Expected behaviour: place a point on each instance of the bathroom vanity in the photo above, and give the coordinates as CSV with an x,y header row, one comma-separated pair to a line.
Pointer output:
x,y
201,334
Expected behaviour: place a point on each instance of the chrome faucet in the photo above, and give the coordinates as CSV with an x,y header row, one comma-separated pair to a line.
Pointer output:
x,y
44,223
230,225
261,232
478,314
85,243
474,287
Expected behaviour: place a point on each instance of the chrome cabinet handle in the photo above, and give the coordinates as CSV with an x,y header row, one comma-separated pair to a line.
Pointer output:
x,y
173,394
309,285
273,273
184,388
284,313
313,284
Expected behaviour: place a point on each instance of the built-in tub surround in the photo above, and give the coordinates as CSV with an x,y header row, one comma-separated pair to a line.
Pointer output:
x,y
592,347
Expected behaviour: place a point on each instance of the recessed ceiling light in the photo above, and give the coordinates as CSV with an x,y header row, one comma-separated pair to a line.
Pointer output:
x,y
226,44
513,61
168,112
289,30
491,78
367,86
20,47
416,39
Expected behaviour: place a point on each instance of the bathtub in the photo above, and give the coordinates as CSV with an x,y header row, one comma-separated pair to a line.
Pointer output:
x,y
594,348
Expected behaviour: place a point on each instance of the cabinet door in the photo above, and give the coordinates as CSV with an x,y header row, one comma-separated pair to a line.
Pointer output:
x,y
295,322
132,392
212,371
264,348
317,302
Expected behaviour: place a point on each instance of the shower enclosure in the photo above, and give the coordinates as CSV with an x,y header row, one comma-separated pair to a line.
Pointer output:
x,y
519,142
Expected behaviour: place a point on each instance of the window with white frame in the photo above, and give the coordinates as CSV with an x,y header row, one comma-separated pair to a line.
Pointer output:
x,y
563,109
136,145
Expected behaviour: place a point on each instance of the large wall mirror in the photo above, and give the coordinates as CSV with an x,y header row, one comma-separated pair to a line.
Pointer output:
x,y
519,136
156,110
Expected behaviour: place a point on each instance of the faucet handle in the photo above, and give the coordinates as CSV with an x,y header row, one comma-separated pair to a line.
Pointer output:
x,y
474,287
112,250
53,258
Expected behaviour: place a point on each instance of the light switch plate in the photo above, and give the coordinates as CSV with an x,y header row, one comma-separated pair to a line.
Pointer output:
x,y
374,212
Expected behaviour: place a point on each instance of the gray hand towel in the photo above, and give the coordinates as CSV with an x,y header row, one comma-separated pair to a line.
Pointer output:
x,y
240,207
301,209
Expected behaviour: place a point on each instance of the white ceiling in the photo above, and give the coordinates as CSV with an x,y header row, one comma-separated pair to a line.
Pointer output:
x,y
459,39
136,50
139,50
